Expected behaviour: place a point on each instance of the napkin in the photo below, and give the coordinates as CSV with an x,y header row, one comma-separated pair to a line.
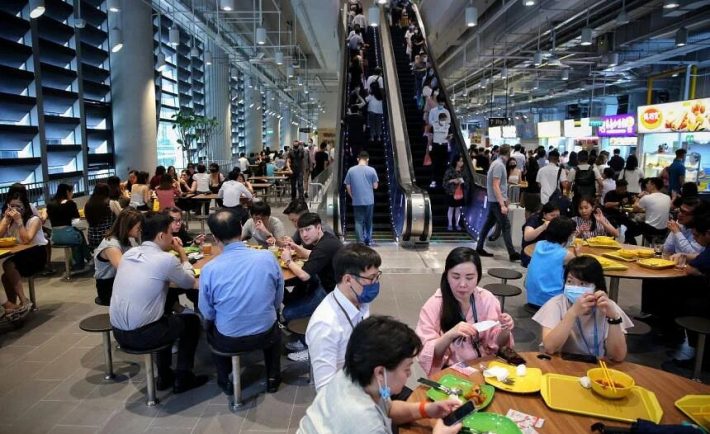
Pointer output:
x,y
499,372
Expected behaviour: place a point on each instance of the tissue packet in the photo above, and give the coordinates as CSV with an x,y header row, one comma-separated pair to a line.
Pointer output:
x,y
525,420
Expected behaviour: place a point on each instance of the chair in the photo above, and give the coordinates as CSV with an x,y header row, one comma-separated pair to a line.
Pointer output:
x,y
149,357
502,290
701,326
235,401
67,259
101,324
504,274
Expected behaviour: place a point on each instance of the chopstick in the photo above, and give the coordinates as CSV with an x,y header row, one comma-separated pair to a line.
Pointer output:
x,y
602,363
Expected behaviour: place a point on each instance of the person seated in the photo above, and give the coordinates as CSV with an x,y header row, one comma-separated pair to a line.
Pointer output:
x,y
117,200
546,269
535,227
124,234
608,182
99,214
232,192
178,228
137,308
357,270
315,279
127,185
583,320
167,191
62,210
253,294
18,222
614,201
294,210
656,206
140,193
155,180
446,320
591,222
262,227
357,400
245,182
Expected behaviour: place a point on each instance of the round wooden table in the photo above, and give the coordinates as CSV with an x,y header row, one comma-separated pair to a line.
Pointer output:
x,y
287,274
667,387
634,271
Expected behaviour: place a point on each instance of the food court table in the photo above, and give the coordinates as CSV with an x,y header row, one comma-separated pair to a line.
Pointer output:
x,y
634,270
287,274
6,252
667,387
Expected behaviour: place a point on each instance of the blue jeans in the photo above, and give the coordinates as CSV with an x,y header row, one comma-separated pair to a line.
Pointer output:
x,y
363,222
304,306
496,216
71,236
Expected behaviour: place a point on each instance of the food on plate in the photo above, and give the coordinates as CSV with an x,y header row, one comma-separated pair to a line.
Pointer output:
x,y
604,383
475,394
656,263
635,253
608,264
602,240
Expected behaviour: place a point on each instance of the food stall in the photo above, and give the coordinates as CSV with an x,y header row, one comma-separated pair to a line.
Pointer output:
x,y
618,132
579,135
665,128
550,134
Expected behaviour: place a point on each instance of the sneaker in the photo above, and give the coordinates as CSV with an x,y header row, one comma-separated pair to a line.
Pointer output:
x,y
514,257
298,356
483,253
295,346
450,228
433,184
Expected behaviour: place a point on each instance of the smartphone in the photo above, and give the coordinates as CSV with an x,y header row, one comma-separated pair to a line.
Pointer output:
x,y
458,414
587,358
510,356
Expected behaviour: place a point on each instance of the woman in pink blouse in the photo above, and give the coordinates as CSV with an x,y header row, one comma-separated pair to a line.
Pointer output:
x,y
446,320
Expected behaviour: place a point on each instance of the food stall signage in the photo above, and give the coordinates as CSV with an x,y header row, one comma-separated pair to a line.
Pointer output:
x,y
617,126
683,116
549,129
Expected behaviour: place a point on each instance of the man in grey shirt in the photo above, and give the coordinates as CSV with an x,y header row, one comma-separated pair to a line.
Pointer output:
x,y
497,191
137,309
262,227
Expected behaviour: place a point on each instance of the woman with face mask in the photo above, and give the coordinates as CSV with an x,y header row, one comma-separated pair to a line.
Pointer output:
x,y
583,320
446,321
378,362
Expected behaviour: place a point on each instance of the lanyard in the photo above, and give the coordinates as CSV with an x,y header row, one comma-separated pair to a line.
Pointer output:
x,y
596,336
475,320
347,317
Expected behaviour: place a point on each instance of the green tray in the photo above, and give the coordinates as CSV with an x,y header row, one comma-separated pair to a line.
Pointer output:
x,y
449,380
493,422
192,249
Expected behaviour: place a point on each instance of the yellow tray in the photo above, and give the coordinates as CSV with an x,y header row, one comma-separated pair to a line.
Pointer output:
x,y
564,393
696,407
4,252
662,263
614,256
530,383
608,264
8,242
197,271
615,245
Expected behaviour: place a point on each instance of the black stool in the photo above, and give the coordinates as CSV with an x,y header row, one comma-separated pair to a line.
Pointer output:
x,y
101,324
701,326
299,327
502,290
235,401
148,357
640,328
504,274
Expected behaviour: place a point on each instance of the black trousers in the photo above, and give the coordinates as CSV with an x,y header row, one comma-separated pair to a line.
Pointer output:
x,y
297,185
173,296
165,331
104,289
438,154
269,342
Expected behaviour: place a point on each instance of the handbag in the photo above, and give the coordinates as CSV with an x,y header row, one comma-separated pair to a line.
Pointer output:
x,y
560,199
458,193
427,158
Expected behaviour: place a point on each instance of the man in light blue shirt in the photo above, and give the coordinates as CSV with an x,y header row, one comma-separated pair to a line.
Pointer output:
x,y
361,181
241,291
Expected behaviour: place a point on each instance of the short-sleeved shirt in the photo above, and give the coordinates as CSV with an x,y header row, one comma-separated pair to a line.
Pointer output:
x,y
497,170
657,206
320,261
274,226
374,105
573,171
203,182
534,221
615,197
675,172
547,178
702,262
581,337
546,272
362,179
61,214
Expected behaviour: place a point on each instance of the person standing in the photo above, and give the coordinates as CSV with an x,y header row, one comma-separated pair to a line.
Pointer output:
x,y
497,192
617,162
360,182
585,179
676,173
440,121
551,178
294,164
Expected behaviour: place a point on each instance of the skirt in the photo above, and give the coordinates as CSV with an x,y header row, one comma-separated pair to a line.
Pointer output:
x,y
31,261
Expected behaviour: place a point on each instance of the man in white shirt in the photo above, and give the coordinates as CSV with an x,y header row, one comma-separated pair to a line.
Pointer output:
x,y
519,156
360,20
439,149
232,191
547,177
243,162
377,75
656,206
357,272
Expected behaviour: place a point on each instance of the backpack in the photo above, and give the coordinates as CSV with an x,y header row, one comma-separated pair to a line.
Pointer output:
x,y
585,183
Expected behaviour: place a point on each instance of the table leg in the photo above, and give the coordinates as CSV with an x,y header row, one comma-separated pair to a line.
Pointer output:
x,y
614,289
108,356
699,353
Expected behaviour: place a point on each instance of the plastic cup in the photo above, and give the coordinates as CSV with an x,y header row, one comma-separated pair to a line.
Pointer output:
x,y
680,261
207,248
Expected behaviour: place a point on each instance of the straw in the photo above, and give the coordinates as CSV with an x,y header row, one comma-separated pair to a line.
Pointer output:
x,y
607,375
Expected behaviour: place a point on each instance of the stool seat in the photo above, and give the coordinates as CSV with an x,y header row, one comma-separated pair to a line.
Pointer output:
x,y
640,328
224,354
503,289
96,323
298,326
505,273
148,351
694,323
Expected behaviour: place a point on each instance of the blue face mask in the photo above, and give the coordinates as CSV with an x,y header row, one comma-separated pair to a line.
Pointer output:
x,y
385,391
369,293
573,292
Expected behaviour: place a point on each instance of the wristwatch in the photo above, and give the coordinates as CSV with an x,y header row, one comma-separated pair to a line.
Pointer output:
x,y
613,321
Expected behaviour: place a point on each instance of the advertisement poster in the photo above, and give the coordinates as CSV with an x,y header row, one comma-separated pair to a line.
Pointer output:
x,y
684,116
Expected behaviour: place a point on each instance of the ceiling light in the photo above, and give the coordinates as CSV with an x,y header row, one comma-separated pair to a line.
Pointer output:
x,y
36,8
299,80
471,16
116,39
160,64
79,23
260,35
195,52
529,2
622,18
503,73
279,58
226,5
670,4
613,59
174,36
373,16
208,57
289,71
114,5
565,75
681,37
586,36
381,2
537,58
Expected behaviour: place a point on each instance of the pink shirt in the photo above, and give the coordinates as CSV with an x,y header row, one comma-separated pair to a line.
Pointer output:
x,y
166,198
429,331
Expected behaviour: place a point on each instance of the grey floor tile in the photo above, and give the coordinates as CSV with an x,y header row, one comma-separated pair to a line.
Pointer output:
x,y
91,412
73,429
44,415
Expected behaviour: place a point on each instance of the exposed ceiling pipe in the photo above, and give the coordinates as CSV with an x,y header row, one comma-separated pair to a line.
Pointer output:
x,y
300,10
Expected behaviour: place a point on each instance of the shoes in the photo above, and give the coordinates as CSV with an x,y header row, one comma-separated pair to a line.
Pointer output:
x,y
48,271
165,382
187,381
483,253
298,356
460,228
450,228
514,257
433,184
295,346
272,384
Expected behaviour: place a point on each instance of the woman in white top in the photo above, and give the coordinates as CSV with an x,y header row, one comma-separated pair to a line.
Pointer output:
x,y
632,174
375,117
19,222
201,180
513,171
140,192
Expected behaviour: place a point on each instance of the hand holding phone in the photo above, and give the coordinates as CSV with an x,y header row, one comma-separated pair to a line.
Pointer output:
x,y
460,413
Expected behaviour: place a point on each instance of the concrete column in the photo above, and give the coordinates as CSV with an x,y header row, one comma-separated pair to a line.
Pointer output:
x,y
285,125
133,92
217,104
252,117
272,122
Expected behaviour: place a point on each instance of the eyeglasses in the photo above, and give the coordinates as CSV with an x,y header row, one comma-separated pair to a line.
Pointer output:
x,y
372,279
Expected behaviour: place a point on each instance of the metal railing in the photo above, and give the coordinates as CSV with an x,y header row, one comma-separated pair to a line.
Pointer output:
x,y
39,192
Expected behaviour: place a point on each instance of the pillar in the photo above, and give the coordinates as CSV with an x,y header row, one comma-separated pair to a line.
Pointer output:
x,y
272,122
135,124
252,117
286,137
218,104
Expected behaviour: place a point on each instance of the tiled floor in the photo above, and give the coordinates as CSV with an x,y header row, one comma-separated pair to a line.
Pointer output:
x,y
52,372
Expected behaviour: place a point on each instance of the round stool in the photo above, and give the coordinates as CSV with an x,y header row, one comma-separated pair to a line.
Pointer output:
x,y
148,357
504,274
298,326
640,328
502,291
101,324
701,326
236,400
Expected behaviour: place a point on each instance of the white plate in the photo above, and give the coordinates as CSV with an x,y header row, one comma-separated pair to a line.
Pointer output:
x,y
482,326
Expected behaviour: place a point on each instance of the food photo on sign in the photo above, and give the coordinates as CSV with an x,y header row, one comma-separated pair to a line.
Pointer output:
x,y
684,116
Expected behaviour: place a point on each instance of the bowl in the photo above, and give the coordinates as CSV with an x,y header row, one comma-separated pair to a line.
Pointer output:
x,y
7,241
622,381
